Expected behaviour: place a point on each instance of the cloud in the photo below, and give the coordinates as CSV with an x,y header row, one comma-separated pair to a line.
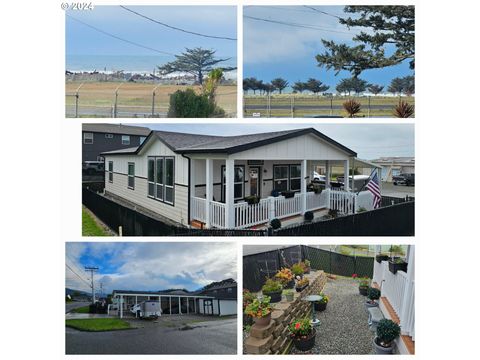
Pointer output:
x,y
156,266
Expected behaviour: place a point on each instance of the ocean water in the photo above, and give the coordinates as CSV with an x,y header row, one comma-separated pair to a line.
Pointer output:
x,y
127,63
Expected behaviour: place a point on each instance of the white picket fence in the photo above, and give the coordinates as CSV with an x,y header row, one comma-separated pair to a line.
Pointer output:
x,y
273,207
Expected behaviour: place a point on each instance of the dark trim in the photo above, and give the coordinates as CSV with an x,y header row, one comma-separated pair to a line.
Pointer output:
x,y
219,312
164,175
268,179
203,185
110,172
182,185
189,194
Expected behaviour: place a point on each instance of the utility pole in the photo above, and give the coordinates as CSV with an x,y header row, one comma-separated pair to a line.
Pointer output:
x,y
92,270
101,289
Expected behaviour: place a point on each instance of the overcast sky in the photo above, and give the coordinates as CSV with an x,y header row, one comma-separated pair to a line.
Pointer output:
x,y
209,20
149,266
274,50
370,141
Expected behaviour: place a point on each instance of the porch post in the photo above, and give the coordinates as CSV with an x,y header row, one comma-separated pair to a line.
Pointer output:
x,y
192,186
327,174
346,175
407,295
303,186
209,190
229,193
121,306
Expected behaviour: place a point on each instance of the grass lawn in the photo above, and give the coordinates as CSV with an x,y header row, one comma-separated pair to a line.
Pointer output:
x,y
82,310
97,324
90,227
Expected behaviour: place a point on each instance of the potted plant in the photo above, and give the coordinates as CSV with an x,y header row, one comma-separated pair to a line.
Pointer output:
x,y
275,193
321,305
302,334
387,332
298,270
288,194
363,284
373,295
285,276
260,311
273,289
396,264
306,266
252,199
275,224
308,216
288,294
381,257
248,298
301,284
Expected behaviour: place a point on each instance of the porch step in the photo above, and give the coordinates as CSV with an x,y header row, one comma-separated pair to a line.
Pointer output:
x,y
374,317
197,224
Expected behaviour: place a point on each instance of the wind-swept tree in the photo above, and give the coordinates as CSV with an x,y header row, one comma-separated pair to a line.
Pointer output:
x,y
299,87
409,85
375,89
316,86
397,85
352,84
279,84
344,87
195,61
384,25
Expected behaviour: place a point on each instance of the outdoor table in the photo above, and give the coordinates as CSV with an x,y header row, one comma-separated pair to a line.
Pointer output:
x,y
313,299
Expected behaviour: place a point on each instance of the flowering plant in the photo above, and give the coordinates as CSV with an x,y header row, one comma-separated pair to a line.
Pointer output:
x,y
285,275
259,308
324,298
248,297
300,328
302,282
362,281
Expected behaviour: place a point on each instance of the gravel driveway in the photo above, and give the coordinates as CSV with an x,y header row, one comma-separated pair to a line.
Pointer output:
x,y
343,325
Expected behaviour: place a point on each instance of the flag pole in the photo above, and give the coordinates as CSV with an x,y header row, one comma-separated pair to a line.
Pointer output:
x,y
367,181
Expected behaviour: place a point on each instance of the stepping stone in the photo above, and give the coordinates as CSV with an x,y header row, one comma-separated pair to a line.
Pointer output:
x,y
374,316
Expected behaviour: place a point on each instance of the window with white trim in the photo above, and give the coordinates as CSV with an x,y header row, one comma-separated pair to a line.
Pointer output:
x,y
110,171
131,175
161,178
125,139
87,138
287,177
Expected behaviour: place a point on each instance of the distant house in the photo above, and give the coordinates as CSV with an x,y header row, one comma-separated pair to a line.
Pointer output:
x,y
231,182
218,298
393,166
98,138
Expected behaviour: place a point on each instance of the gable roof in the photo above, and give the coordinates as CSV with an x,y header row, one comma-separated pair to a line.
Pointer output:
x,y
184,143
116,129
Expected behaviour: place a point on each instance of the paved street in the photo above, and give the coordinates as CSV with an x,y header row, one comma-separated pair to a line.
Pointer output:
x,y
169,335
388,189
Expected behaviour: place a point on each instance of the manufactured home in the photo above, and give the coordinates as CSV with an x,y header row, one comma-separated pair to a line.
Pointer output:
x,y
232,181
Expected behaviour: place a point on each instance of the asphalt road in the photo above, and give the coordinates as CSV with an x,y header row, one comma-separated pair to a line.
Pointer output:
x,y
210,337
388,189
74,305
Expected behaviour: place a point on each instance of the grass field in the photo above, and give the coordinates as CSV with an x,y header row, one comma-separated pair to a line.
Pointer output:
x,y
89,226
82,310
281,105
96,99
97,324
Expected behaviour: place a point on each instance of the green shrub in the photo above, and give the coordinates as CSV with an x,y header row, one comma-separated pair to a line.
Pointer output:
x,y
276,224
308,216
271,286
297,269
374,293
387,331
188,104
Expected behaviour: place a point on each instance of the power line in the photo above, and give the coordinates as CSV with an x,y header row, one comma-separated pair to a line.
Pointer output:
x,y
322,12
305,26
93,270
176,28
119,38
85,281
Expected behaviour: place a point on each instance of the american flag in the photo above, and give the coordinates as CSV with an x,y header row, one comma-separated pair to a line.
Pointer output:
x,y
374,188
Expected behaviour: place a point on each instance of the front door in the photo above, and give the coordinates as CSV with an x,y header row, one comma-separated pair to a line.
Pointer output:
x,y
254,174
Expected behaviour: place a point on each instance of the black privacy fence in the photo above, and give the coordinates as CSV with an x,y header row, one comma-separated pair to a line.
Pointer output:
x,y
258,267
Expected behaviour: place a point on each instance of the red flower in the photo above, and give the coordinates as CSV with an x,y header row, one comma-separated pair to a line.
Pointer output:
x,y
297,326
354,276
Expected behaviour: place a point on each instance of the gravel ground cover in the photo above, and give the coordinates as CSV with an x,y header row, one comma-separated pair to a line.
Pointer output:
x,y
343,325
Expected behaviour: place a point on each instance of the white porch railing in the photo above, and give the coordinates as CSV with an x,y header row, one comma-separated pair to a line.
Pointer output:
x,y
217,214
272,207
249,215
400,294
198,209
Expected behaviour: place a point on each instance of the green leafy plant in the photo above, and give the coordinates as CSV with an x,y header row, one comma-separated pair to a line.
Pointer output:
x,y
307,263
324,298
396,250
188,104
374,294
288,292
302,282
259,308
300,328
248,298
308,216
276,224
271,286
387,332
297,269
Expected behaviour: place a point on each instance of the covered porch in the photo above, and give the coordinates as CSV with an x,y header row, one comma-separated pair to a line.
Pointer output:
x,y
235,192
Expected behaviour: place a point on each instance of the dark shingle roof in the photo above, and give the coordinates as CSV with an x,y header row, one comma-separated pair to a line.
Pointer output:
x,y
116,129
192,143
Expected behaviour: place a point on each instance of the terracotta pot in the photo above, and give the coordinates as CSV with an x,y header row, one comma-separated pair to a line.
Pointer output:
x,y
263,321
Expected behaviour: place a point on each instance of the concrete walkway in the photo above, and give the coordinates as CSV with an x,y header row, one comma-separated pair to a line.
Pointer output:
x,y
343,325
